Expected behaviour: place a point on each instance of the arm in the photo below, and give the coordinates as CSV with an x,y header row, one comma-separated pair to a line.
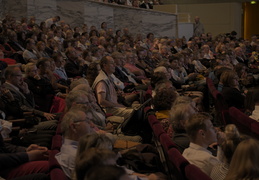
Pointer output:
x,y
13,159
101,96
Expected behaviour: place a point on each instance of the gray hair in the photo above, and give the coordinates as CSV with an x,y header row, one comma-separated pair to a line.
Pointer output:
x,y
77,82
75,97
70,117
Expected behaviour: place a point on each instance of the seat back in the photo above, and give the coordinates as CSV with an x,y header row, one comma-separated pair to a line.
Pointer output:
x,y
241,120
192,172
178,160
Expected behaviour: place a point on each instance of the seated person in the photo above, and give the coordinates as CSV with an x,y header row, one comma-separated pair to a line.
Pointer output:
x,y
244,162
231,91
105,90
233,138
20,161
75,66
75,124
22,94
201,133
163,102
41,87
180,113
101,142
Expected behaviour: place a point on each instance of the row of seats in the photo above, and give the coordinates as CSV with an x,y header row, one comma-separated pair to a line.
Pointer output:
x,y
219,103
55,169
233,115
244,123
178,166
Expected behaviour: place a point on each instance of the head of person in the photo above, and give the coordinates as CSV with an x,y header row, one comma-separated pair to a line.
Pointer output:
x,y
238,51
76,97
245,161
58,59
107,64
13,75
180,114
56,19
93,158
77,122
119,59
41,45
197,19
142,53
71,53
100,141
163,70
200,129
31,70
43,65
164,99
229,79
30,43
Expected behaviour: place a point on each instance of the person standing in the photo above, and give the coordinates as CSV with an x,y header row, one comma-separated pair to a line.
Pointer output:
x,y
198,27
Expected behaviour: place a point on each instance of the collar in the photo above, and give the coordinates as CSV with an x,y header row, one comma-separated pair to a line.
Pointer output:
x,y
13,86
198,147
70,142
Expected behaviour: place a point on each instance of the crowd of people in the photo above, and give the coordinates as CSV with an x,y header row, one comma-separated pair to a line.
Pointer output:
x,y
103,75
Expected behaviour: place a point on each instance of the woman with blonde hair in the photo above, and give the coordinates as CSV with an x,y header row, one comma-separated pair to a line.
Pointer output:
x,y
245,161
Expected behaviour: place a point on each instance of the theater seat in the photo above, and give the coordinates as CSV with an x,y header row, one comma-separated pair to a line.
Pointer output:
x,y
241,120
177,160
158,130
57,174
192,172
152,120
56,142
166,142
255,129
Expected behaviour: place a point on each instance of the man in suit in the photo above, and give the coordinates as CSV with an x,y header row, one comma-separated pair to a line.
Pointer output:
x,y
146,5
22,94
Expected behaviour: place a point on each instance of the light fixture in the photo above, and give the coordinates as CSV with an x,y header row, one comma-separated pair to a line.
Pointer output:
x,y
253,2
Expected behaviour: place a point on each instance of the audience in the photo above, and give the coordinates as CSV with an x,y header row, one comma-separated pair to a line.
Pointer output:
x,y
121,68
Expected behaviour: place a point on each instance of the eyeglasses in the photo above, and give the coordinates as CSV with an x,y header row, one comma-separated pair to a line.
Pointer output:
x,y
85,120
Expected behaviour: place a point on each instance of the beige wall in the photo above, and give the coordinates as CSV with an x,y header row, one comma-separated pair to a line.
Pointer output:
x,y
217,18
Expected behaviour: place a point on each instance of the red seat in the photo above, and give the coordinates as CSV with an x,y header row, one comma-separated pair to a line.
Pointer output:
x,y
53,163
57,173
152,120
221,106
241,120
56,142
166,142
158,130
192,172
177,160
255,129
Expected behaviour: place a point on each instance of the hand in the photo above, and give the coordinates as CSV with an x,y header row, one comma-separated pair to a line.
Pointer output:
x,y
37,77
36,147
36,155
24,87
49,116
221,136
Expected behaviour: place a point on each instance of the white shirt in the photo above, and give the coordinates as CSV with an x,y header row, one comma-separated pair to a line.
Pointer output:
x,y
200,157
255,113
